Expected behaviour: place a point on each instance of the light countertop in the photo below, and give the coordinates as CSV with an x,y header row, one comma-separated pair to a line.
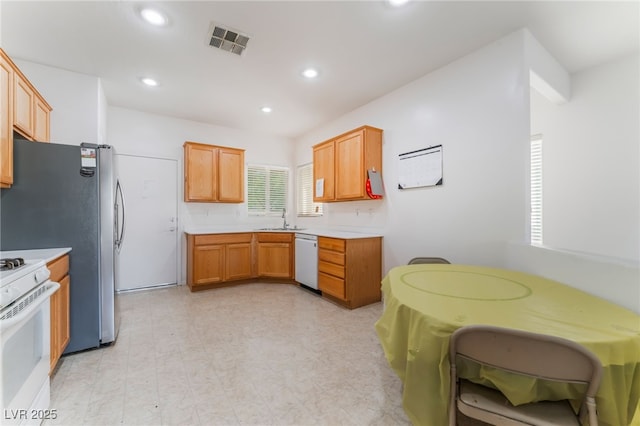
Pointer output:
x,y
310,231
37,254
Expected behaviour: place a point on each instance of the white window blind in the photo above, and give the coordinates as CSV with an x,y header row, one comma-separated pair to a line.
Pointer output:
x,y
536,190
267,189
304,181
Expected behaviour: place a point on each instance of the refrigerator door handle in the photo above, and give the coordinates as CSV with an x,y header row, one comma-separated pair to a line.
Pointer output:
x,y
119,229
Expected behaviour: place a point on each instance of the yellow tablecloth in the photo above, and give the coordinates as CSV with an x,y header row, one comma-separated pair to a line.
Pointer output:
x,y
424,304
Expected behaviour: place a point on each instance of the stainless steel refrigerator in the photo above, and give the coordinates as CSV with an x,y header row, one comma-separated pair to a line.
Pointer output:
x,y
64,196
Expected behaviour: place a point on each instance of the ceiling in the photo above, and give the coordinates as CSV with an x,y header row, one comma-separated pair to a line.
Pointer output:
x,y
362,49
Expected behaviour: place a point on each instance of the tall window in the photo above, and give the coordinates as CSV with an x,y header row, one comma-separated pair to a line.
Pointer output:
x,y
304,182
536,190
267,189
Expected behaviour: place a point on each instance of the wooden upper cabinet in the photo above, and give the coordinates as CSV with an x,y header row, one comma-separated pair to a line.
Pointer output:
x,y
231,175
23,102
6,123
200,177
22,109
41,112
213,173
343,163
30,111
350,170
324,168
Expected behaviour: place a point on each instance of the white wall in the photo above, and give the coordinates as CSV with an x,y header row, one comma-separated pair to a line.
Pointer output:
x,y
613,280
545,73
75,99
102,114
138,133
591,162
81,114
591,185
477,108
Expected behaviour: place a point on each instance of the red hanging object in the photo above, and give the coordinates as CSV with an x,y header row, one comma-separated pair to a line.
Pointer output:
x,y
369,192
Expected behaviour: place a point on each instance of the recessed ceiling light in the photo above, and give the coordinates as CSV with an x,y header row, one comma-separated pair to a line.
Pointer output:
x,y
266,109
149,81
154,17
397,2
310,73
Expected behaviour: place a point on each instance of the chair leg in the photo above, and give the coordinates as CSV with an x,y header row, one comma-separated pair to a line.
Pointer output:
x,y
591,410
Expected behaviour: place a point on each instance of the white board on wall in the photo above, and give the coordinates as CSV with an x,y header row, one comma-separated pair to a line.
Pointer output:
x,y
422,167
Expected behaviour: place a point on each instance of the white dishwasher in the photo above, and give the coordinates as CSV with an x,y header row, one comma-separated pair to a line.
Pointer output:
x,y
307,260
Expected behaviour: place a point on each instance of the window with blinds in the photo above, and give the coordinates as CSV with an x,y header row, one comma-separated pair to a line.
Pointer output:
x,y
536,190
304,181
267,189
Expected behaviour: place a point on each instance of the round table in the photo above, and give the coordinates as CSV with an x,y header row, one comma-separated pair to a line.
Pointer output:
x,y
424,304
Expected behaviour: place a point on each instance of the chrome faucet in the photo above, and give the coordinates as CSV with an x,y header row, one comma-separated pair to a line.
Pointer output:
x,y
284,218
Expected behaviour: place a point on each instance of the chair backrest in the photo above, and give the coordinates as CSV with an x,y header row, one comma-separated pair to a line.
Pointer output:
x,y
538,355
417,260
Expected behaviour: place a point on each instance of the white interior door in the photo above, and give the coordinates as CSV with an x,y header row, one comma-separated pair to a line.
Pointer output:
x,y
148,254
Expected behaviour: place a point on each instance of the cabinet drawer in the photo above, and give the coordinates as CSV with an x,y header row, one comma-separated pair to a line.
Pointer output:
x,y
331,268
331,285
331,257
209,239
59,268
331,244
275,237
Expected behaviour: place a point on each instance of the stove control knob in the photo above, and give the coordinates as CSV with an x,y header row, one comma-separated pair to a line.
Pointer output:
x,y
8,295
41,275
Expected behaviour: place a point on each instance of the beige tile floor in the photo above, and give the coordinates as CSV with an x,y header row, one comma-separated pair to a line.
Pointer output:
x,y
255,354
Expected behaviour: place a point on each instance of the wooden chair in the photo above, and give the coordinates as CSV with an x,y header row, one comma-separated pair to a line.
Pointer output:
x,y
520,352
417,260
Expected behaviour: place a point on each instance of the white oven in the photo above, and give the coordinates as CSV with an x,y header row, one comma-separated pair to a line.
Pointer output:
x,y
25,324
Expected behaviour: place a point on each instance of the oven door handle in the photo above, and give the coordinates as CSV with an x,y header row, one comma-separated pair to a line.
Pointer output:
x,y
27,311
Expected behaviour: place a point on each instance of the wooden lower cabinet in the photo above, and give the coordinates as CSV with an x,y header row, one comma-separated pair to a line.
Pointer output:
x,y
60,331
237,265
350,270
207,264
275,255
218,258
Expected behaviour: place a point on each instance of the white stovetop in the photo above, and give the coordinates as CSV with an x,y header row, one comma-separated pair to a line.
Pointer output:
x,y
33,259
47,255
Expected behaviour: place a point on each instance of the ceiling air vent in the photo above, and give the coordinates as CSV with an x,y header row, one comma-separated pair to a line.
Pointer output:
x,y
227,39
